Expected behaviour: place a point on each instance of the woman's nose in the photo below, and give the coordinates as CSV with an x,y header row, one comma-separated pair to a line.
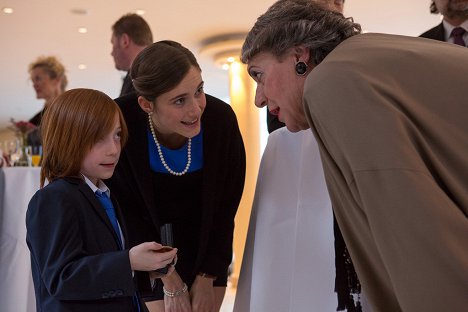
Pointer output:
x,y
260,99
195,106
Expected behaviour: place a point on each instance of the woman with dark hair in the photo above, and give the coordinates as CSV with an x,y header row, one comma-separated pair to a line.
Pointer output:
x,y
184,164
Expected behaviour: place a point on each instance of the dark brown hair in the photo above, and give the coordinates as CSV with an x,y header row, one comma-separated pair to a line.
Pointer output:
x,y
433,8
135,27
71,125
160,67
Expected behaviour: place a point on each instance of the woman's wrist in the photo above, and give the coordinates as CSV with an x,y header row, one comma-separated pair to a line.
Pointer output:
x,y
176,293
208,276
172,282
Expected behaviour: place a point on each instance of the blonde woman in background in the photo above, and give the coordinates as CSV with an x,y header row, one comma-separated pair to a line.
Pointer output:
x,y
49,81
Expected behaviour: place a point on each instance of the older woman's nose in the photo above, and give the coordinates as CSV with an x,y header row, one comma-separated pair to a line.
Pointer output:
x,y
260,99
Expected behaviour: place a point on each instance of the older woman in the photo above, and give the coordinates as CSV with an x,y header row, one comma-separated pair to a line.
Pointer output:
x,y
49,81
393,144
184,164
335,5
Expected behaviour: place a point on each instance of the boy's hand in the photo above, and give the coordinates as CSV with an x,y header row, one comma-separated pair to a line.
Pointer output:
x,y
148,256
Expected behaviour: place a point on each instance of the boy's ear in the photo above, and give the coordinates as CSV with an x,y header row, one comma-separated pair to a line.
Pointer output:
x,y
145,105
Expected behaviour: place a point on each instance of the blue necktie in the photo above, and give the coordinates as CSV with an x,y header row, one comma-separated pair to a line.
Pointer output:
x,y
109,208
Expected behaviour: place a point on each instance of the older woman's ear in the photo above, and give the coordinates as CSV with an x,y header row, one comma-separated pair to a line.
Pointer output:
x,y
302,54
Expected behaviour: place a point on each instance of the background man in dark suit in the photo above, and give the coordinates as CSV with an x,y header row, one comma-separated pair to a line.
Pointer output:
x,y
454,26
130,34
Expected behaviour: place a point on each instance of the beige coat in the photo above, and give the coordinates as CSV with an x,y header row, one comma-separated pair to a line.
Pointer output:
x,y
390,114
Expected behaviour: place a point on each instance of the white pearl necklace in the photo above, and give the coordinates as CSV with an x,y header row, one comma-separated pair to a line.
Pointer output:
x,y
161,156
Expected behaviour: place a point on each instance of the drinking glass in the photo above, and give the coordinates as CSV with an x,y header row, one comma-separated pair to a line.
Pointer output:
x,y
2,160
14,152
36,155
28,151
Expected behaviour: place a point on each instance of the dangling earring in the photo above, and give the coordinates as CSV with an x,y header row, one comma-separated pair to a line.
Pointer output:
x,y
301,68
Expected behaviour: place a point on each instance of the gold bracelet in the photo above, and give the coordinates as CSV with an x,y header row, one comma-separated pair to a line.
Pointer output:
x,y
175,293
207,276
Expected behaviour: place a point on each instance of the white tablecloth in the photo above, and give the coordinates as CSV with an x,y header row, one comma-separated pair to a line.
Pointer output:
x,y
288,262
16,286
289,259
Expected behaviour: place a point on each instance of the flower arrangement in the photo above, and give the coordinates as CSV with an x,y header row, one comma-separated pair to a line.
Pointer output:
x,y
22,128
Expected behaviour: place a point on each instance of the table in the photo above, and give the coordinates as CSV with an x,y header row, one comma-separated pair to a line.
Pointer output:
x,y
289,258
17,186
288,262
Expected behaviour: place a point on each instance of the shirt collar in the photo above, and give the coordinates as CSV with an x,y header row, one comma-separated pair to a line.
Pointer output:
x,y
102,187
449,27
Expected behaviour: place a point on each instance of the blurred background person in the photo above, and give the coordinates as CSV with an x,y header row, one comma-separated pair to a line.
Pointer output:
x,y
454,26
272,118
49,81
130,35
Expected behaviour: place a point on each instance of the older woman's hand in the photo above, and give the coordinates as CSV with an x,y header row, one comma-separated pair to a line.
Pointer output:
x,y
180,301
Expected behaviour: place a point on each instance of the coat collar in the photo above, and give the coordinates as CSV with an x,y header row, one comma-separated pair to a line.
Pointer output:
x,y
97,207
136,151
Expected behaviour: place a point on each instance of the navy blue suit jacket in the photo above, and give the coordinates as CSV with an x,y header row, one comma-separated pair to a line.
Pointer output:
x,y
75,257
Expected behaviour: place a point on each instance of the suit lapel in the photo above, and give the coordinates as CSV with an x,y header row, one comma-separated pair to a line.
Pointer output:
x,y
440,34
99,209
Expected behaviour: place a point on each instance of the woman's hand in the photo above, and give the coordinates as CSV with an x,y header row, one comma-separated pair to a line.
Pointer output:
x,y
202,295
181,303
147,257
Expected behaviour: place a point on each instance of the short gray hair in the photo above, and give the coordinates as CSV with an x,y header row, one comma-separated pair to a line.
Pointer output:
x,y
290,23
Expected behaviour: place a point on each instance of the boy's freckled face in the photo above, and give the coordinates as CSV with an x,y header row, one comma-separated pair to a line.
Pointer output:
x,y
99,163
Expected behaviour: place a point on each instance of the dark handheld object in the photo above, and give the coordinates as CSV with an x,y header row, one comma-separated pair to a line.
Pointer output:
x,y
166,240
166,235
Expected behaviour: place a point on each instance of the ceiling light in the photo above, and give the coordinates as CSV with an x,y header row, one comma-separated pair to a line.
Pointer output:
x,y
82,30
79,11
82,66
140,12
7,10
225,66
